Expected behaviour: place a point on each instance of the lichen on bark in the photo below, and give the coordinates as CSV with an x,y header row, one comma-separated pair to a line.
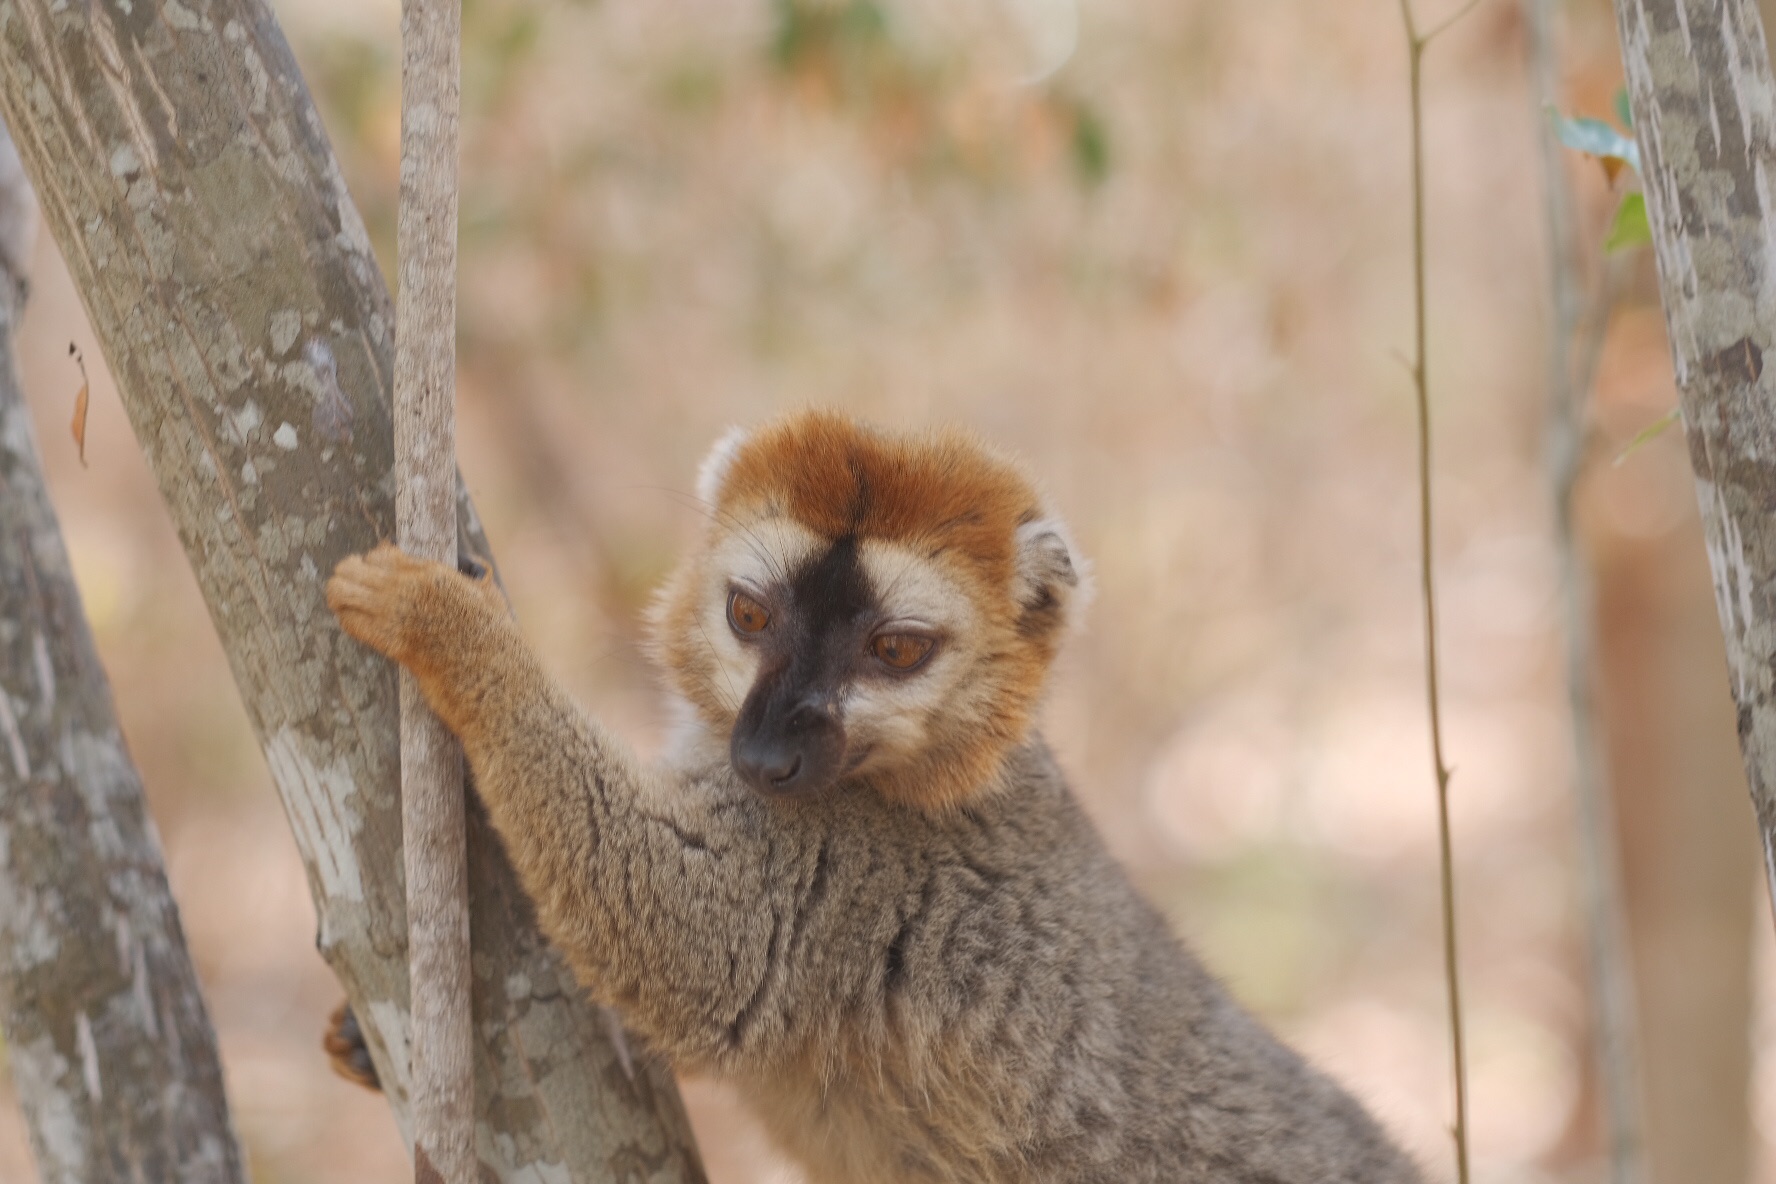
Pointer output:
x,y
186,177
1704,102
111,1051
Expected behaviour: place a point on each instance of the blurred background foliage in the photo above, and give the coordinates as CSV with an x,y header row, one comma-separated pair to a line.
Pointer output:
x,y
1159,248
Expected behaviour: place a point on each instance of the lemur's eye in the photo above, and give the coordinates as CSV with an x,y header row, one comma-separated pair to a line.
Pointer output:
x,y
902,651
746,615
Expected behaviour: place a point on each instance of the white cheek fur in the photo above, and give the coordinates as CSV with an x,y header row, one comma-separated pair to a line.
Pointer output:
x,y
893,713
876,720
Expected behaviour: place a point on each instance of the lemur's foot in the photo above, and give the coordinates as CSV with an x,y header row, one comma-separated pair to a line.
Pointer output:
x,y
346,1049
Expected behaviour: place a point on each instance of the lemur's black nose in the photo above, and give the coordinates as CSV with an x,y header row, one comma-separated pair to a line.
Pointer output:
x,y
770,764
796,751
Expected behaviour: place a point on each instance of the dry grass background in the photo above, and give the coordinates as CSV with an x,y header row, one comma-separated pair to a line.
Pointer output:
x,y
1173,275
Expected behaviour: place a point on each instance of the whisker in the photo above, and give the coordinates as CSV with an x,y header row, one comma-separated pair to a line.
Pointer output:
x,y
696,680
733,696
760,550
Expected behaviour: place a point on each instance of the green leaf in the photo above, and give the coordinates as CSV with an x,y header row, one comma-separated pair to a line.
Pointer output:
x,y
1630,227
1649,433
1091,146
1596,138
1624,110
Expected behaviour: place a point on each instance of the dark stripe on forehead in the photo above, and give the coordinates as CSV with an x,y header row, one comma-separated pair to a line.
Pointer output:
x,y
832,589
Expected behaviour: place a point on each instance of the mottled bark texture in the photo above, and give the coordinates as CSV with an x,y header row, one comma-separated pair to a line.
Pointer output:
x,y
1704,103
186,176
112,1054
425,525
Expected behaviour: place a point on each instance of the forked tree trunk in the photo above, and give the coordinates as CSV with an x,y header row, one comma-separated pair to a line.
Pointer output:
x,y
184,172
112,1054
1704,100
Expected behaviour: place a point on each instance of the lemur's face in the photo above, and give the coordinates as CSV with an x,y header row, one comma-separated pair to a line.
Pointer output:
x,y
867,607
848,649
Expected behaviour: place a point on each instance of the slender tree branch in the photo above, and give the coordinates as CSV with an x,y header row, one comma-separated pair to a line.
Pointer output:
x,y
1611,976
1443,26
1594,332
1416,45
425,523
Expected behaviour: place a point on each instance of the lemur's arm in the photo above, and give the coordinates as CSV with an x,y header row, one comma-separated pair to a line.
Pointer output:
x,y
662,909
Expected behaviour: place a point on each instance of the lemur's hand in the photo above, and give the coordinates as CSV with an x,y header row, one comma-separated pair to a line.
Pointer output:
x,y
412,610
451,631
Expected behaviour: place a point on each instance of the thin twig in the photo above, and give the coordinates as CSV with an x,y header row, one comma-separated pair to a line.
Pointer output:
x,y
1570,385
432,808
1596,331
1416,45
1443,26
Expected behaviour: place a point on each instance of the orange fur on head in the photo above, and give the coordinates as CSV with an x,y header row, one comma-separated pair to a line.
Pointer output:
x,y
941,506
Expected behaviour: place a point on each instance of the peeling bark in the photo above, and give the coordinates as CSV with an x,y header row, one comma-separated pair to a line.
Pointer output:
x,y
186,176
110,1046
1704,103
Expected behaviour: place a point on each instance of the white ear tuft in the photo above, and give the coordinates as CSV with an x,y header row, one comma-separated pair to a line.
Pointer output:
x,y
1051,580
712,474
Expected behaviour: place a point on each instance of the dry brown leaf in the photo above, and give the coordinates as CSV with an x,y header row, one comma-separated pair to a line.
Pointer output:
x,y
80,402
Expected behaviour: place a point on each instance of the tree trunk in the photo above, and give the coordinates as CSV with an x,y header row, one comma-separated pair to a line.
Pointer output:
x,y
111,1050
186,177
1704,101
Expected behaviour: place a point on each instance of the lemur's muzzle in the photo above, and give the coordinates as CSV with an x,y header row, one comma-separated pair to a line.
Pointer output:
x,y
796,748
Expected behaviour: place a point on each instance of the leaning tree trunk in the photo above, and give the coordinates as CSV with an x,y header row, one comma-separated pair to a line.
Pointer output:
x,y
112,1053
186,177
1704,103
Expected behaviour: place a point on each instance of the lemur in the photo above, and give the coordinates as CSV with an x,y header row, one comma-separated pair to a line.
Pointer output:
x,y
858,885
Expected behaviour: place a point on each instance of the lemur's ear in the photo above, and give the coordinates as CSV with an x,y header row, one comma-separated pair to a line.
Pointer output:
x,y
713,473
1052,581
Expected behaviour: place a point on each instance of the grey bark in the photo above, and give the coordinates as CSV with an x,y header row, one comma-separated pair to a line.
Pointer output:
x,y
1704,101
186,176
425,525
112,1053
